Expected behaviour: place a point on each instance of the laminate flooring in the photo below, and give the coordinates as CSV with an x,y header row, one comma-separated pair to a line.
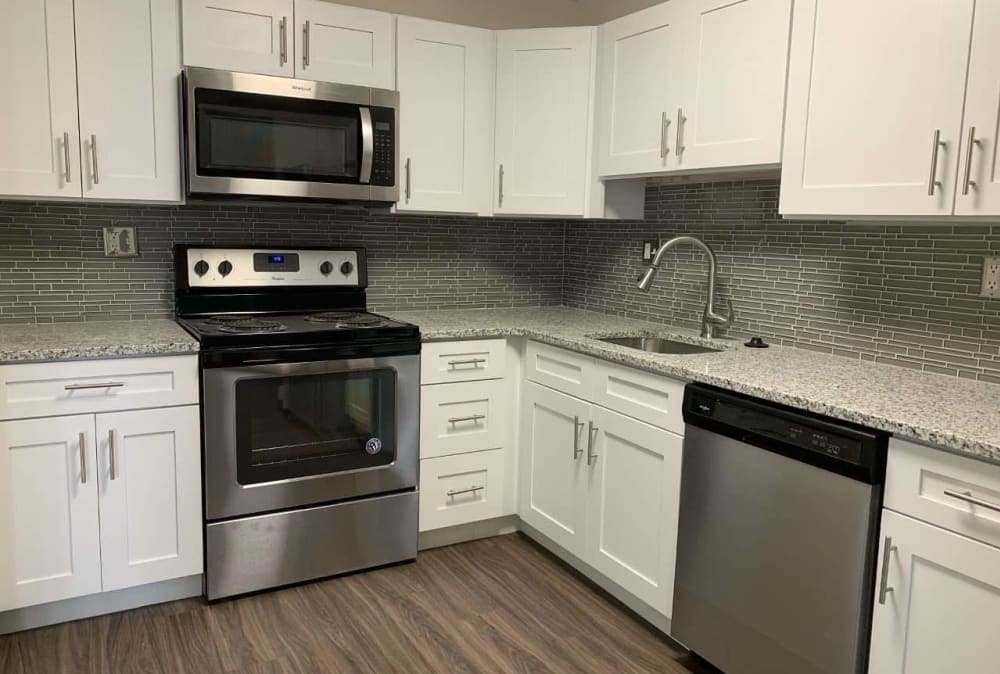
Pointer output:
x,y
495,605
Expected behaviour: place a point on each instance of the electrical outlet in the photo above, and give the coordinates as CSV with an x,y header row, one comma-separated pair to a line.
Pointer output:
x,y
649,248
120,242
991,277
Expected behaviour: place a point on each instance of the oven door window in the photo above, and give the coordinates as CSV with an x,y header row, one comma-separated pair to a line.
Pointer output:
x,y
306,425
243,135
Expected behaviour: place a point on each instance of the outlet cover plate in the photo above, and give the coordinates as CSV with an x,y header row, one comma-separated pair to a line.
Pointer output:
x,y
120,242
649,248
991,277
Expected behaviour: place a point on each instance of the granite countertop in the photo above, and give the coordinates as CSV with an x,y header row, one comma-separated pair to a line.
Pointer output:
x,y
93,339
952,413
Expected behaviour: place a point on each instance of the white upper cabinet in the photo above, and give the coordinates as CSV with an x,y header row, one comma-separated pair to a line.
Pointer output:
x,y
251,36
733,105
641,80
346,45
445,76
979,161
543,122
39,137
875,98
128,60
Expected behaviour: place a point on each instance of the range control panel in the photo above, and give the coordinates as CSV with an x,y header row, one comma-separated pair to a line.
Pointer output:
x,y
258,267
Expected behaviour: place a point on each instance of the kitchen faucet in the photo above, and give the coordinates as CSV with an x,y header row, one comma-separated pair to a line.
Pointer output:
x,y
709,319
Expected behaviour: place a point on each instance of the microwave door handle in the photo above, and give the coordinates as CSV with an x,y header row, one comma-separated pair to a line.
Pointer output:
x,y
367,146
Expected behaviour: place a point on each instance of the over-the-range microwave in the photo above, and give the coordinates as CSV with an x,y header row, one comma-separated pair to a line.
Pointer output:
x,y
261,136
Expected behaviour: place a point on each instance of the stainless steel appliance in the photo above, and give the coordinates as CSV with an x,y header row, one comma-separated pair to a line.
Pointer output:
x,y
310,416
262,136
777,539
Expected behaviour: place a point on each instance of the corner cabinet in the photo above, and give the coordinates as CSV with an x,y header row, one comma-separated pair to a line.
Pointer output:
x,y
92,105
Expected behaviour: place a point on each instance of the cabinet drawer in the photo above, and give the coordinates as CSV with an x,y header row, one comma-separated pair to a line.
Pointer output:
x,y
560,369
932,485
646,396
472,360
461,489
462,417
74,387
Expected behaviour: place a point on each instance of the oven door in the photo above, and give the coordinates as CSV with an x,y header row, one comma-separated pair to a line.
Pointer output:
x,y
292,434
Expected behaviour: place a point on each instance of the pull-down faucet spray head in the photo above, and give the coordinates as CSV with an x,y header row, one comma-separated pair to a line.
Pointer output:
x,y
647,278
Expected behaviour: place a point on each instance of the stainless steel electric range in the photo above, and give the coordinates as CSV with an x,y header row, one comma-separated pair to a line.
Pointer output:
x,y
310,416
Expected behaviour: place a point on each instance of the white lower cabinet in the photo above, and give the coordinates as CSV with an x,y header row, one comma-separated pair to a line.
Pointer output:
x,y
461,488
941,608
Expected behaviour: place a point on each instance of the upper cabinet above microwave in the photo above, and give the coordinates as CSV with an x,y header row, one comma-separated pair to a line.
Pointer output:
x,y
691,85
308,39
892,109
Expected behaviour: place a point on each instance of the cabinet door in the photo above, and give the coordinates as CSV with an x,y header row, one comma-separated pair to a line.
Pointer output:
x,y
445,76
544,83
127,72
553,465
633,506
49,533
872,86
943,611
39,136
346,45
641,84
150,495
979,174
733,109
249,36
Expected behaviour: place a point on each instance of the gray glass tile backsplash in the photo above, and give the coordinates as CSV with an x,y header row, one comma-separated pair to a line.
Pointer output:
x,y
903,293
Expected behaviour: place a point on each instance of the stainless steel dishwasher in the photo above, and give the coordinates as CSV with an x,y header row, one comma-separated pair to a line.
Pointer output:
x,y
777,539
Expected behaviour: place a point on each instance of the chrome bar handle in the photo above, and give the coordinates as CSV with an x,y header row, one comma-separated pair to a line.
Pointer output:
x,y
664,130
591,454
968,182
406,191
283,41
933,182
305,44
83,458
883,585
969,498
103,384
111,454
500,189
679,141
367,145
66,154
472,417
577,425
93,159
455,492
468,361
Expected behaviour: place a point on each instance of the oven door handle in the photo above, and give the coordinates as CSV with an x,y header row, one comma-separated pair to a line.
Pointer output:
x,y
367,146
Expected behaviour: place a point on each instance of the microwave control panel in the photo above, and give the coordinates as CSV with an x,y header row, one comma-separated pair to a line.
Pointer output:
x,y
384,138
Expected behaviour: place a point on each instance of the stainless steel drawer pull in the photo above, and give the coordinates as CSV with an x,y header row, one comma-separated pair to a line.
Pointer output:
x,y
883,585
969,498
933,183
664,130
471,490
83,458
93,159
472,417
112,452
66,154
968,182
468,361
103,384
305,44
577,425
591,454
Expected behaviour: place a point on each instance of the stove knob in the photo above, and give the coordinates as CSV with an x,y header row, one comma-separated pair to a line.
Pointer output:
x,y
346,268
225,267
326,268
200,267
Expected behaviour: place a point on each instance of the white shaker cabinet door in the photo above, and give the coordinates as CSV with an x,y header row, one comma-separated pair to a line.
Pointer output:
x,y
641,82
39,135
445,76
633,506
248,36
874,113
50,543
344,45
733,109
149,471
979,172
128,60
543,121
941,608
553,479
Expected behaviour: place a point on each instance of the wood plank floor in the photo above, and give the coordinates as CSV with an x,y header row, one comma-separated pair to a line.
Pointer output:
x,y
495,605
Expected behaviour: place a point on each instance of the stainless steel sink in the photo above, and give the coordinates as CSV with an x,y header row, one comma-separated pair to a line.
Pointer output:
x,y
657,345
